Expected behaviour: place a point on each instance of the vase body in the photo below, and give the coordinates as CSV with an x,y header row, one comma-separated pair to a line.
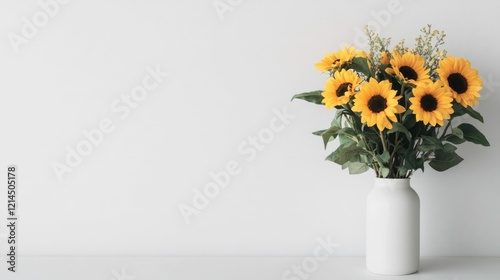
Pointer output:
x,y
393,228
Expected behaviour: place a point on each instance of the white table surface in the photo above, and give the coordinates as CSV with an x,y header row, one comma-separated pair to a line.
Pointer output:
x,y
235,268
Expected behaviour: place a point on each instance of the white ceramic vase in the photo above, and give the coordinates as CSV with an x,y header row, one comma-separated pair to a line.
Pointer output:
x,y
393,228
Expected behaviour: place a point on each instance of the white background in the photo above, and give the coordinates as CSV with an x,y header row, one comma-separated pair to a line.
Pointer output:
x,y
229,74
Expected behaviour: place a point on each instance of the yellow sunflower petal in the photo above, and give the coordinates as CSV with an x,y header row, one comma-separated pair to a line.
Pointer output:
x,y
431,103
409,67
333,61
340,88
377,104
463,81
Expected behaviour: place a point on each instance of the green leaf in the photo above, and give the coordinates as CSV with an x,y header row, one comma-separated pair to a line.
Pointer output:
x,y
449,148
335,154
366,158
426,148
338,117
329,133
430,144
346,140
384,171
356,120
357,167
344,154
460,110
400,128
360,64
312,96
418,129
361,144
370,135
472,134
444,160
431,140
409,119
413,163
402,171
348,131
456,136
347,136
384,157
475,114
455,139
319,132
457,132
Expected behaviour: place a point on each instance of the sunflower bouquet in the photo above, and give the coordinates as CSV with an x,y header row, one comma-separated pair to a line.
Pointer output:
x,y
397,109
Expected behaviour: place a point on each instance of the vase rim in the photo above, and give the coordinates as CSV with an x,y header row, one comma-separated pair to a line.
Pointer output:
x,y
392,182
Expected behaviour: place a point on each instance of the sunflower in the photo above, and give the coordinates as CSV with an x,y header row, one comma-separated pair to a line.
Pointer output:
x,y
384,57
431,103
463,81
336,60
409,67
340,88
378,104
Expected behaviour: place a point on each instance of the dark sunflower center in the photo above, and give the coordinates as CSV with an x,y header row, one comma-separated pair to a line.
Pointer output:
x,y
408,72
428,102
457,82
377,104
343,88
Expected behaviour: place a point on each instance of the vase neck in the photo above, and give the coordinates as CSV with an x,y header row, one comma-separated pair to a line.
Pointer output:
x,y
392,183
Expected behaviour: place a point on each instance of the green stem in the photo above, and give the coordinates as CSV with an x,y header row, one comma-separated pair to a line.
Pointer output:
x,y
384,144
367,144
382,138
445,130
403,93
391,159
418,141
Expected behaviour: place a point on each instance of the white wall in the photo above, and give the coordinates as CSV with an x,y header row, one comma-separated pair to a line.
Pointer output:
x,y
227,78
